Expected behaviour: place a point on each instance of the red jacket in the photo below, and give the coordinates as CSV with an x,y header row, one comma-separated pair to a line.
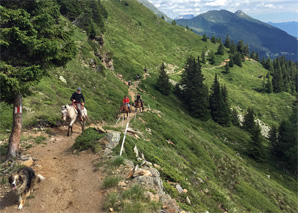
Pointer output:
x,y
126,100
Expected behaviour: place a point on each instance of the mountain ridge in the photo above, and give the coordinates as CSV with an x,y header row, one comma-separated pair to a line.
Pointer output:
x,y
261,37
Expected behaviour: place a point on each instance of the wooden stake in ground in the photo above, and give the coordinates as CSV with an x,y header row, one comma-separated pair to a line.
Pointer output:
x,y
15,136
124,138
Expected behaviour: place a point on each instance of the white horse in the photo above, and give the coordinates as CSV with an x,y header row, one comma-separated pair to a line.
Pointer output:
x,y
69,111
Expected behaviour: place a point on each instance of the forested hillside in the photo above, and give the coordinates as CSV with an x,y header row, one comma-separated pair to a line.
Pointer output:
x,y
215,128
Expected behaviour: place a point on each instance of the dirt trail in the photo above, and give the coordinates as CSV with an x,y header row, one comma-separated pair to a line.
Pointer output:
x,y
71,185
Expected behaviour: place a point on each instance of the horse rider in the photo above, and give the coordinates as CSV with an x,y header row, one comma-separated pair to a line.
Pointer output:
x,y
139,100
76,100
126,101
145,69
138,77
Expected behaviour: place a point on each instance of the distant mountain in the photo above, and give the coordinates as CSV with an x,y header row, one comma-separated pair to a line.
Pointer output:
x,y
289,27
188,16
155,10
261,37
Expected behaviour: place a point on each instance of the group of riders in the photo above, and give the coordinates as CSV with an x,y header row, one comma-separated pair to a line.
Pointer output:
x,y
78,101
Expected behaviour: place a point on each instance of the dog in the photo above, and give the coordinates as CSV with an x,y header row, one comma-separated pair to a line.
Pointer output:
x,y
22,183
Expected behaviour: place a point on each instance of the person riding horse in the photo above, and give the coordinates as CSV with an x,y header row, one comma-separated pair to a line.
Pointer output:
x,y
76,100
139,100
126,101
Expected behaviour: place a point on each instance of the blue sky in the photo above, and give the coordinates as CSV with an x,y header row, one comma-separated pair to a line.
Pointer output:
x,y
264,10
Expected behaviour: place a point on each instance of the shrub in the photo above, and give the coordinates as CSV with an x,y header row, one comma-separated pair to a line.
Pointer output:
x,y
88,140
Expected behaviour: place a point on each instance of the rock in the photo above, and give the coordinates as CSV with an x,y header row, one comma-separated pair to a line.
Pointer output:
x,y
156,166
200,179
135,150
179,188
111,209
62,79
28,162
149,131
107,152
206,190
188,200
111,139
184,191
151,183
151,196
142,172
169,204
121,183
268,176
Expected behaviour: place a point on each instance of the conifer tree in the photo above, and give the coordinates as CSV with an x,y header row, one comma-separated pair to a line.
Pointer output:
x,y
273,140
220,49
174,22
253,55
233,48
246,50
194,92
231,62
256,150
269,87
212,58
219,105
227,68
227,42
203,60
205,37
213,39
237,59
249,121
163,84
240,46
33,39
263,61
235,118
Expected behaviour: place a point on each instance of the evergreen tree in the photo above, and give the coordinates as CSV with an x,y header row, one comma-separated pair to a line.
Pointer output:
x,y
257,58
203,60
269,87
249,121
219,105
231,62
187,27
162,17
33,39
256,150
263,61
194,92
213,40
227,68
273,140
253,55
240,46
227,42
233,48
163,84
212,58
246,50
174,22
237,59
205,37
235,118
220,49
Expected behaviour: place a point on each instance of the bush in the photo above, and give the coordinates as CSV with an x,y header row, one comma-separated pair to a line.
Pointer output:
x,y
88,140
110,182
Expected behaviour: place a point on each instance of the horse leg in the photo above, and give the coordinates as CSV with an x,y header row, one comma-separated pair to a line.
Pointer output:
x,y
68,131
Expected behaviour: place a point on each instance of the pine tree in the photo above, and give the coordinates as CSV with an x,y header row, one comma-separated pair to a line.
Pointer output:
x,y
219,105
273,140
233,48
174,22
203,60
269,87
227,42
240,46
220,49
162,17
231,62
33,39
237,59
205,37
163,84
253,55
227,68
246,50
256,150
212,58
213,39
235,118
249,121
194,92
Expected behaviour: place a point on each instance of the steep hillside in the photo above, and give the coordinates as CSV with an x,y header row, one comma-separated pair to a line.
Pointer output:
x,y
261,37
208,160
289,27
155,10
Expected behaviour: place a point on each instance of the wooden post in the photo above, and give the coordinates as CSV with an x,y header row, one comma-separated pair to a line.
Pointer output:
x,y
124,138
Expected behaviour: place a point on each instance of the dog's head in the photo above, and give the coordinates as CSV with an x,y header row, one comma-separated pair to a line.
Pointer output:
x,y
16,181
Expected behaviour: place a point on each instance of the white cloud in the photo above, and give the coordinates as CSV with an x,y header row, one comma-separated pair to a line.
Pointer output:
x,y
173,8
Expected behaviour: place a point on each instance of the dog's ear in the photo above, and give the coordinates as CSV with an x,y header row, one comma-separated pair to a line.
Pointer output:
x,y
10,180
21,179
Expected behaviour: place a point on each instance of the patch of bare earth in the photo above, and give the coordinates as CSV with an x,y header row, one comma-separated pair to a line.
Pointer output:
x,y
71,185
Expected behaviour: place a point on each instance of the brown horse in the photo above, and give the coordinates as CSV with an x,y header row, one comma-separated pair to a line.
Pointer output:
x,y
124,109
138,105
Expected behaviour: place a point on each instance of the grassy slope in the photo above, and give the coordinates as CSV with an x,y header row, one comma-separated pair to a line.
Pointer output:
x,y
201,149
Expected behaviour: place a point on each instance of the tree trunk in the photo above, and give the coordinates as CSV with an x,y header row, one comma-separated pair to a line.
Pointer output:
x,y
15,136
